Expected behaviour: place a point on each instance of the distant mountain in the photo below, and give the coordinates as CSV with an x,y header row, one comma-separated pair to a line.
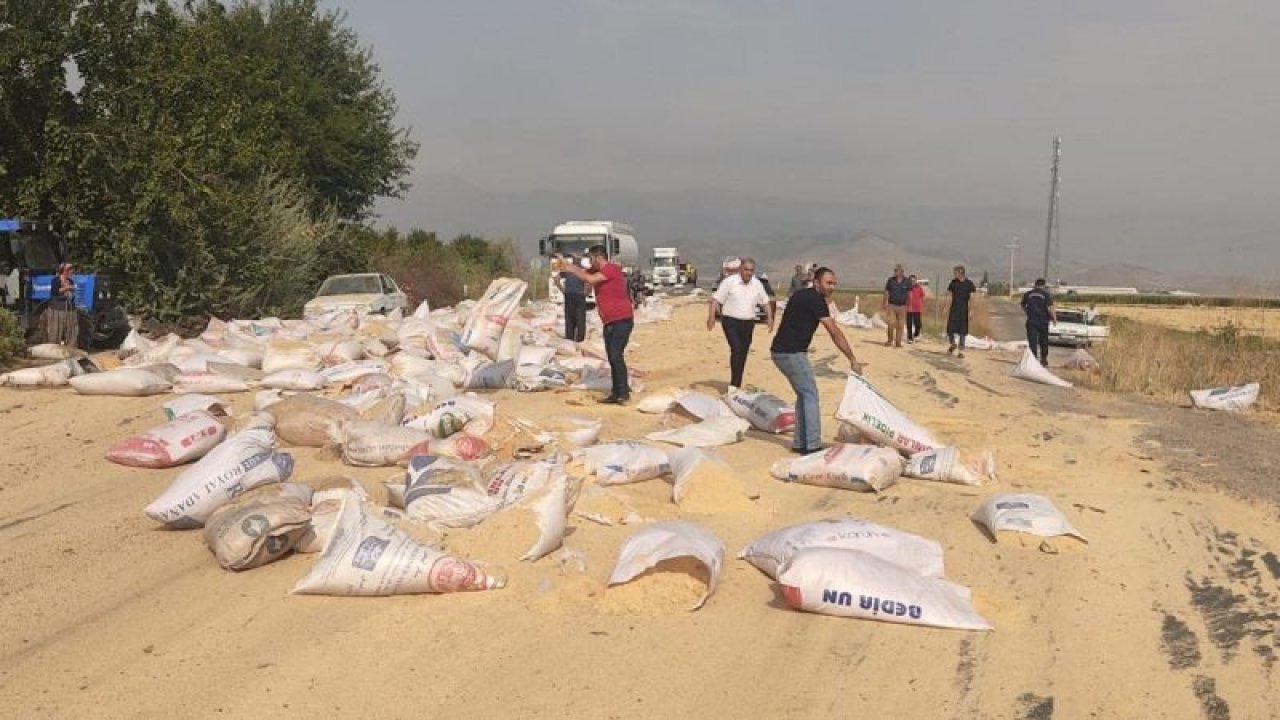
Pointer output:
x,y
862,259
708,224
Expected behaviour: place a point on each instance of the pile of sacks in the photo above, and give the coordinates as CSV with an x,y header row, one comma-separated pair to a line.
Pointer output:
x,y
430,355
372,391
238,484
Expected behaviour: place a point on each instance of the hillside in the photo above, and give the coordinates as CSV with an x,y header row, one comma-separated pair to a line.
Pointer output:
x,y
708,224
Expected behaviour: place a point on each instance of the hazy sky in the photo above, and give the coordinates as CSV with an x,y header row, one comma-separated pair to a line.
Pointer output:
x,y
1165,106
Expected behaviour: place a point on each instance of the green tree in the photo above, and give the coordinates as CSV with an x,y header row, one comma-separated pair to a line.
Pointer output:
x,y
192,131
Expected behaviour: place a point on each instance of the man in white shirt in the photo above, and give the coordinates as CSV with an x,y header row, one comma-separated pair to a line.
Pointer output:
x,y
736,301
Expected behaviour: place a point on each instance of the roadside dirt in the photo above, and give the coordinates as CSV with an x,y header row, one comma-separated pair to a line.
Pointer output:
x,y
1169,611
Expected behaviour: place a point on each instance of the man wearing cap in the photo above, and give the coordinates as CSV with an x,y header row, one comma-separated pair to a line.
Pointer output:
x,y
1037,303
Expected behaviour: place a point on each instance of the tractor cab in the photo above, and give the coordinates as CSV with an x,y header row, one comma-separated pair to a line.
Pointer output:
x,y
30,253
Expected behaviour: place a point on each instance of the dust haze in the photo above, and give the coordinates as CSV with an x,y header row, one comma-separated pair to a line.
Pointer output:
x,y
925,124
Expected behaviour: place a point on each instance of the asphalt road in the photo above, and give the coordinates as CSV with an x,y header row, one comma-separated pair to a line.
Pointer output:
x,y
1009,323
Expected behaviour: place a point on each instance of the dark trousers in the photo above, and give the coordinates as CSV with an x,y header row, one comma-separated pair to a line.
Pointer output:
x,y
616,336
915,324
738,333
1038,340
575,317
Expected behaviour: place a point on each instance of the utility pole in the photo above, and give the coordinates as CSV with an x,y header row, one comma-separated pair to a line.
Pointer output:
x,y
1051,230
1013,253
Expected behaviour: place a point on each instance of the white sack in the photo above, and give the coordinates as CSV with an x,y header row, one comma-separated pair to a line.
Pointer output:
x,y
917,554
339,352
208,383
414,336
534,356
55,375
242,462
572,431
446,493
368,443
254,531
406,365
865,468
309,421
1231,398
1029,368
193,402
543,490
625,461
483,375
484,329
297,380
462,412
853,583
459,446
367,557
1081,360
945,465
54,351
666,540
326,505
764,411
713,432
866,409
659,403
704,406
127,382
178,441
290,355
1033,514
347,372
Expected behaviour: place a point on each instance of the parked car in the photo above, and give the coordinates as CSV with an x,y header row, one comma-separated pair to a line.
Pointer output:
x,y
1074,329
366,293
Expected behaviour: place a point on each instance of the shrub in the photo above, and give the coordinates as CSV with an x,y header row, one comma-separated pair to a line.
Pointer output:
x,y
442,274
12,342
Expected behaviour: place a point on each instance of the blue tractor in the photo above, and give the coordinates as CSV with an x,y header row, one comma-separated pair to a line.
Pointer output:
x,y
30,253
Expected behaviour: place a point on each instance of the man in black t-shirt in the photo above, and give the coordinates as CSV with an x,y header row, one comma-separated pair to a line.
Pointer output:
x,y
806,310
959,292
1037,303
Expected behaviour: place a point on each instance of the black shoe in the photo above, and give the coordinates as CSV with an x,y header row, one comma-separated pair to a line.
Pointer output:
x,y
798,451
615,400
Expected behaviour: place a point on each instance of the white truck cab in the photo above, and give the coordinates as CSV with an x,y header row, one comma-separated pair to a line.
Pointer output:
x,y
575,237
666,267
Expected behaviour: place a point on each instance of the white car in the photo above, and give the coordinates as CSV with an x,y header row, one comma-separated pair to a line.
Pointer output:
x,y
1072,328
366,293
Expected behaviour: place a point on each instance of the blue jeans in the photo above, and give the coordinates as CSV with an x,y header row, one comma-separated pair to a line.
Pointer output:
x,y
616,336
796,368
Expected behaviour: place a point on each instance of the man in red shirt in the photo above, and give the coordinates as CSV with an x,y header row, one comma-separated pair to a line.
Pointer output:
x,y
613,302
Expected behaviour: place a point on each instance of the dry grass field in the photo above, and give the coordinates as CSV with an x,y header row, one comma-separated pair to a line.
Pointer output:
x,y
1154,360
1260,321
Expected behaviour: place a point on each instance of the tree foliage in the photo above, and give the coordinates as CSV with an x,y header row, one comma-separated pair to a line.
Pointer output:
x,y
212,157
440,273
